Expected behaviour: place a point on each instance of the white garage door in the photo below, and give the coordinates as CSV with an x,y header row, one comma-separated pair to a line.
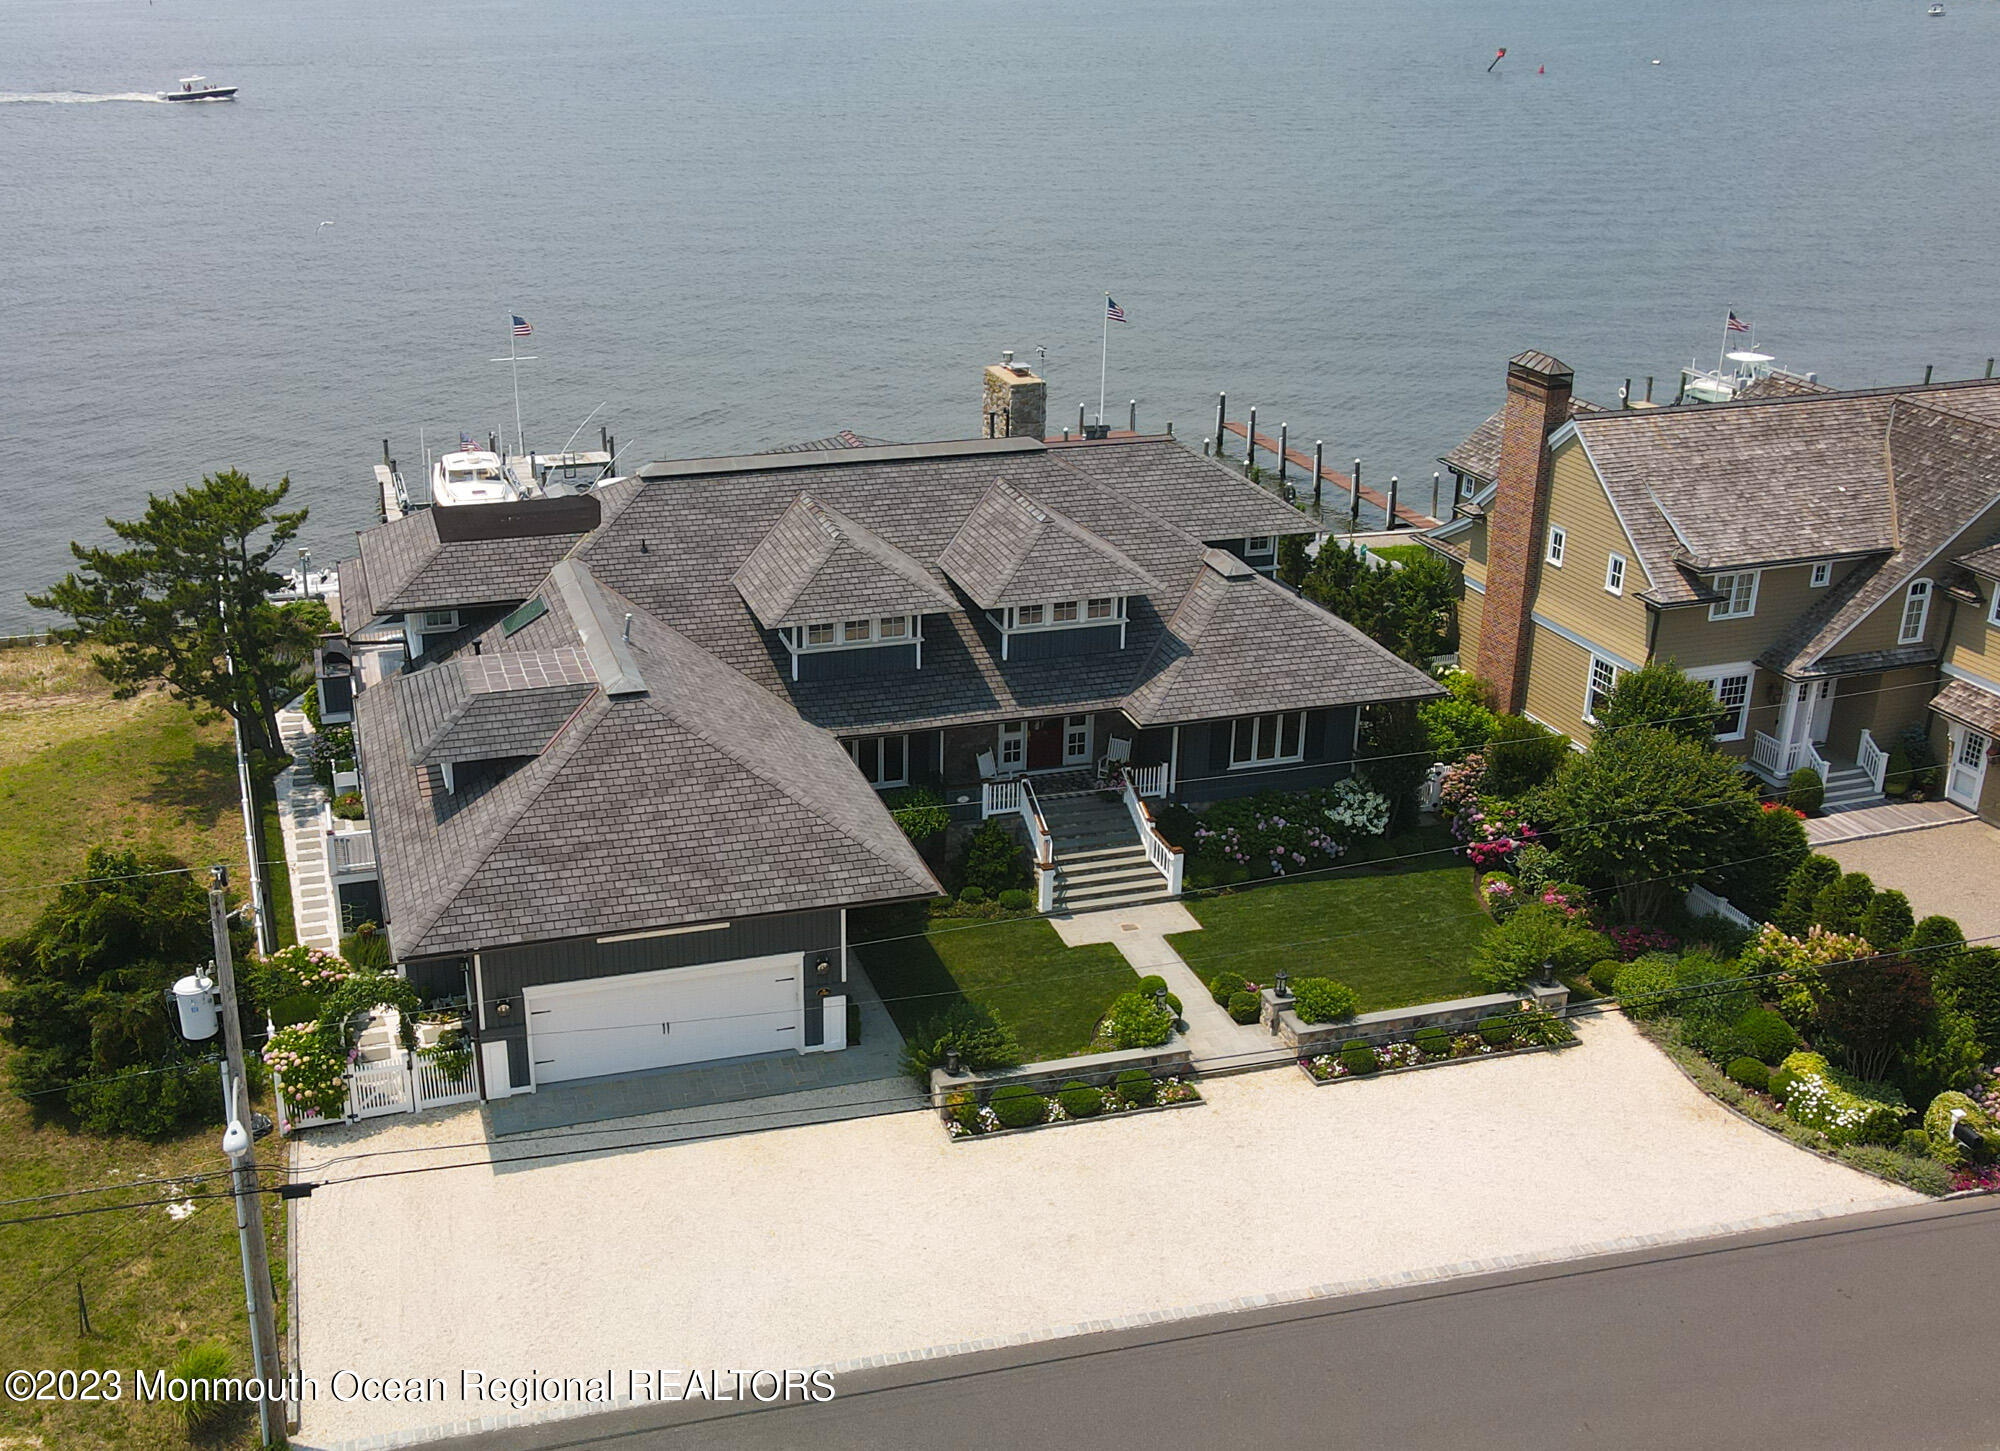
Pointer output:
x,y
657,1019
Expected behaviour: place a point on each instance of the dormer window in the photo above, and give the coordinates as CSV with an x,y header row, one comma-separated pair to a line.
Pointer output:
x,y
1092,619
1107,609
1822,574
819,635
1063,614
896,627
857,632
867,646
1738,596
1260,549
1027,617
1916,612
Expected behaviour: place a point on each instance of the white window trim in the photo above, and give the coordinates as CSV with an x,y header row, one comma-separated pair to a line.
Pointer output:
x,y
1822,575
1917,592
1614,573
1713,675
797,641
1590,683
430,622
1558,545
1721,609
1993,611
1089,735
1016,733
1276,717
853,745
1109,618
1268,549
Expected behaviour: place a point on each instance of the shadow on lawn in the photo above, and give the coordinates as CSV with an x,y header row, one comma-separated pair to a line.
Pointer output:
x,y
201,786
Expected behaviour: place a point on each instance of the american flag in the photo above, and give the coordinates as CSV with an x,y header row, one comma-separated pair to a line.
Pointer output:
x,y
1737,325
521,328
1113,311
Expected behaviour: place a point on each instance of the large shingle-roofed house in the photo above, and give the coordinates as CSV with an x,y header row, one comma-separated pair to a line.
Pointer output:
x,y
1810,553
646,779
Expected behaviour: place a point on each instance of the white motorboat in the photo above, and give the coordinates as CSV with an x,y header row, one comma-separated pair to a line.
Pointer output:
x,y
197,88
471,476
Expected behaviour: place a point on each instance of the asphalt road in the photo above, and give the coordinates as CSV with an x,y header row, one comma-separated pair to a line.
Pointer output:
x,y
1876,1331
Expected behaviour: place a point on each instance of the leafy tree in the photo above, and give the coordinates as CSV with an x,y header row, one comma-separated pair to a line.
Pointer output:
x,y
1756,866
1888,922
1969,983
994,861
1873,1008
1644,811
1406,610
1843,904
191,591
1294,564
1521,755
1463,721
1661,695
1795,910
1395,757
84,1008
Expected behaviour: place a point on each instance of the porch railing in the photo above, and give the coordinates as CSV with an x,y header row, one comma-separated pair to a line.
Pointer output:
x,y
1767,753
1168,860
1778,760
1000,798
1808,755
1148,780
350,853
1872,759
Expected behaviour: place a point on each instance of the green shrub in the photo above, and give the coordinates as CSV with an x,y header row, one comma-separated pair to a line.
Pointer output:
x,y
1245,1007
982,1043
1806,791
348,806
367,946
994,861
1604,975
1759,860
1781,1083
1847,1110
293,1008
1711,988
920,811
1914,1141
1358,1057
1080,1100
1645,987
1017,1106
1750,1073
1322,1000
1521,755
1888,922
1017,899
1152,983
1936,942
1841,906
1498,1032
1136,1020
1660,694
963,1110
1924,1175
1896,779
147,1104
1463,721
1224,986
1795,907
1937,1128
198,1368
1536,869
1137,1087
1771,1038
972,896
1433,1042
1716,1039
1513,953
1969,982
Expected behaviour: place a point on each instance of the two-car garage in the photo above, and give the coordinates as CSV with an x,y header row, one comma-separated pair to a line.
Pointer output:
x,y
636,1021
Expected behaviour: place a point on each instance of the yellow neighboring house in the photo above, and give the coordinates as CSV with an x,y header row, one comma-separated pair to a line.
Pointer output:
x,y
1827,561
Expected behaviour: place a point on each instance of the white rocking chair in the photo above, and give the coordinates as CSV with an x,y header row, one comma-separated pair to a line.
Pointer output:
x,y
1117,753
988,768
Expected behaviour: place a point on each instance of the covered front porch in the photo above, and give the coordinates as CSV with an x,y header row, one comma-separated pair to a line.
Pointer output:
x,y
1841,726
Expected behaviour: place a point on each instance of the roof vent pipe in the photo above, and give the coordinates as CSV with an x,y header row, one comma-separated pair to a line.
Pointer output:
x,y
628,629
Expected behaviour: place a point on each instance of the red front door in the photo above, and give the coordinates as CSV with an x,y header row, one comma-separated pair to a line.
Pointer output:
x,y
1045,744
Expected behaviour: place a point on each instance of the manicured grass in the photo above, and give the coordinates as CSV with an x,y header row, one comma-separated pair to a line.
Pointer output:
x,y
1397,935
78,768
1018,970
153,1285
1401,553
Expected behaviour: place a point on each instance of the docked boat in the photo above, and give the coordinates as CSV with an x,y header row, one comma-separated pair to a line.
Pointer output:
x,y
1935,10
197,88
471,476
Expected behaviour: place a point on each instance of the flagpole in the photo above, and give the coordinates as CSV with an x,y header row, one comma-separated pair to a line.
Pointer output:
x,y
1103,357
1723,352
513,345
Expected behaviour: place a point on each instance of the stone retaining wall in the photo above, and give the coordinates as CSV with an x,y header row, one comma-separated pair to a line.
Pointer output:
x,y
1097,1069
1393,1024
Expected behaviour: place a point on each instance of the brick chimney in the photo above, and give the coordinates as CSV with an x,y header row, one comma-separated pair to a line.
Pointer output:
x,y
1538,389
1016,402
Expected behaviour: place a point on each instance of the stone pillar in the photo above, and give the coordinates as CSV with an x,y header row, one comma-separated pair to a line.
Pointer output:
x,y
1015,403
1538,389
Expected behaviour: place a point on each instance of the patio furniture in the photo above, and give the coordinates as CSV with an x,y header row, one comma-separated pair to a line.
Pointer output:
x,y
988,768
1117,754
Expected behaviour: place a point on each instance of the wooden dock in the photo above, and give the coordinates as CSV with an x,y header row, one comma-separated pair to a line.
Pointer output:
x,y
1343,484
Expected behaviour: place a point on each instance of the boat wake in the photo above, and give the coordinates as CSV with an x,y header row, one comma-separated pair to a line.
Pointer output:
x,y
71,98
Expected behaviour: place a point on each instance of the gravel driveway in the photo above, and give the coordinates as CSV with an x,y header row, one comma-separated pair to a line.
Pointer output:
x,y
836,1242
1948,869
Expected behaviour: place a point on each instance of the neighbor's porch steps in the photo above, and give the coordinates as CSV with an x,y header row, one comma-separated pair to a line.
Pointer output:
x,y
1848,788
1100,862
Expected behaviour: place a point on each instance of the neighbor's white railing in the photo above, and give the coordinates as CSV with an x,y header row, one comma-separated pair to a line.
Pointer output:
x,y
1148,780
1169,861
1872,759
1767,753
350,853
1808,755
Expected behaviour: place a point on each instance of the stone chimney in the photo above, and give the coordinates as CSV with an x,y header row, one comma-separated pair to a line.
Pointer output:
x,y
1016,403
1538,389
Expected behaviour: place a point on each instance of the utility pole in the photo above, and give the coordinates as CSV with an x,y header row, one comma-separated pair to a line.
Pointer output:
x,y
239,1143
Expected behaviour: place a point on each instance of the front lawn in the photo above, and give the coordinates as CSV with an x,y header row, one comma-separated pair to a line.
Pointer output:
x,y
1018,970
1397,935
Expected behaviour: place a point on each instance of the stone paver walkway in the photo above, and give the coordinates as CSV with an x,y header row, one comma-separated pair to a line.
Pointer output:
x,y
315,911
1219,1043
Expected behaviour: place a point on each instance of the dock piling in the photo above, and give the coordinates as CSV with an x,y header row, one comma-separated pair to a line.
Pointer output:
x,y
1437,482
1132,418
1284,436
1250,444
1079,420
385,442
1319,469
1354,497
1927,374
1221,410
1390,522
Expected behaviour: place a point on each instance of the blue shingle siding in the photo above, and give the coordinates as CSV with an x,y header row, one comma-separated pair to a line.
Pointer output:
x,y
847,664
1055,644
1206,775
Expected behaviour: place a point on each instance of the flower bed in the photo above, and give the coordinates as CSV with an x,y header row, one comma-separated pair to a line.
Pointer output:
x,y
1017,1108
1529,1031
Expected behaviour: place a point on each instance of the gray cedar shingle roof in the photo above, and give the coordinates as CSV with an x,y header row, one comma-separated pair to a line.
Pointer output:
x,y
408,568
703,798
1011,550
1983,561
1241,644
846,438
1961,700
357,608
1478,456
491,707
817,565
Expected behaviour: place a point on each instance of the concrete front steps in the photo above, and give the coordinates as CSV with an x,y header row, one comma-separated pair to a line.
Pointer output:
x,y
1100,862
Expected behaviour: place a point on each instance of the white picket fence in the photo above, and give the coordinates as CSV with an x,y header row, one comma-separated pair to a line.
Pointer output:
x,y
404,1082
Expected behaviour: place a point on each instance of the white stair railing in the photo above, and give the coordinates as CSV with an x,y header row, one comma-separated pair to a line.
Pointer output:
x,y
1872,759
1040,846
1810,756
1168,860
1148,780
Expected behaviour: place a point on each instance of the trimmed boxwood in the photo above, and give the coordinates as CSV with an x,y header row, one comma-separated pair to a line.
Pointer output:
x,y
1498,1032
1245,1007
1604,975
1780,1086
1750,1072
1017,1106
1358,1057
1014,899
1151,983
1770,1037
1433,1042
1322,1000
1137,1086
1224,986
1080,1100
